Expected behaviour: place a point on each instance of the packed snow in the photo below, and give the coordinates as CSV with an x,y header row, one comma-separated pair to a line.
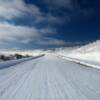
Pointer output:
x,y
49,78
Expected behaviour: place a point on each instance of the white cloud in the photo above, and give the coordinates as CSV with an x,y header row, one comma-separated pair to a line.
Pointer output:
x,y
23,34
51,42
10,9
10,32
48,30
26,41
17,8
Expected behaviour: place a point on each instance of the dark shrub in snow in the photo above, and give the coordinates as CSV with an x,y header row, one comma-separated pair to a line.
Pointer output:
x,y
12,57
18,56
3,57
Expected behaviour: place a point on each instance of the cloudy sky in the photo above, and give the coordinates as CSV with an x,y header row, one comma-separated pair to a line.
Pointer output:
x,y
48,23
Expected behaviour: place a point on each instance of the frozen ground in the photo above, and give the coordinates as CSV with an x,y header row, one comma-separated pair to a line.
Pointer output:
x,y
49,78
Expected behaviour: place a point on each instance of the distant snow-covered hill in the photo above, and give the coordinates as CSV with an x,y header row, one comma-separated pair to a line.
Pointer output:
x,y
91,47
22,52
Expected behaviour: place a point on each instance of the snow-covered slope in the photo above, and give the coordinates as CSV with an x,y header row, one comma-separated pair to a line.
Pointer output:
x,y
88,54
91,47
65,50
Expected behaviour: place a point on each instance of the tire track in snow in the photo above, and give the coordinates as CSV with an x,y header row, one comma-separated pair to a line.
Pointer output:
x,y
15,77
50,78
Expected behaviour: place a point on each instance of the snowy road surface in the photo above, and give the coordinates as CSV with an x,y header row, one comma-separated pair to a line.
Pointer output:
x,y
49,78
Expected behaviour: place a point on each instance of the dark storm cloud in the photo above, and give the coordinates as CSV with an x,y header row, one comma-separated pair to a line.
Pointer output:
x,y
68,9
60,3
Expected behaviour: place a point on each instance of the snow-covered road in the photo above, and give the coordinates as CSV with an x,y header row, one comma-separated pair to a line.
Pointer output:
x,y
49,78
